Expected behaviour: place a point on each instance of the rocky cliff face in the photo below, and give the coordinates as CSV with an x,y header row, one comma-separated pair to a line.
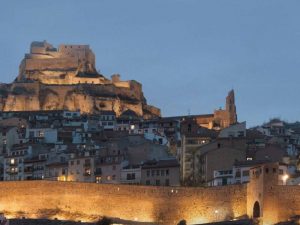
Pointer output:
x,y
51,79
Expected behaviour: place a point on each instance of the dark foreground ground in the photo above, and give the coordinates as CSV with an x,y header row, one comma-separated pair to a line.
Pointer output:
x,y
60,222
44,222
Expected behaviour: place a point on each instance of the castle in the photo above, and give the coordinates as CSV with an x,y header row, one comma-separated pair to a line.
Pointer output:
x,y
69,64
66,78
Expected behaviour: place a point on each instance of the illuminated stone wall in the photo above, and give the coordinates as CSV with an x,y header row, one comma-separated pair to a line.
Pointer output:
x,y
86,201
277,203
287,201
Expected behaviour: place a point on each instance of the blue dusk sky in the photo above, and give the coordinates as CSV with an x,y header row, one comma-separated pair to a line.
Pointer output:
x,y
187,54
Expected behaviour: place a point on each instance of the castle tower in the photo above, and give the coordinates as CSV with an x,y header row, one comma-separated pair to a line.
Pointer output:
x,y
231,108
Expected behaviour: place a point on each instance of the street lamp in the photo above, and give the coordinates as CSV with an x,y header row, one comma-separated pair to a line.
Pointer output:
x,y
217,214
285,178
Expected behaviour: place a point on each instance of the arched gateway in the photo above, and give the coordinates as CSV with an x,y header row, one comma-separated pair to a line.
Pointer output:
x,y
256,210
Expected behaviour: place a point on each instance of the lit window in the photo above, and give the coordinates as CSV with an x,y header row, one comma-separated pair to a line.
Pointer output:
x,y
88,171
41,133
12,161
98,180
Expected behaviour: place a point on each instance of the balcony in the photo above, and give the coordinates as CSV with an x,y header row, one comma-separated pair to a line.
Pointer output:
x,y
12,172
28,170
87,174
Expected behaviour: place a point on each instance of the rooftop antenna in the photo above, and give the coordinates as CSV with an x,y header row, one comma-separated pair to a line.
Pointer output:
x,y
189,112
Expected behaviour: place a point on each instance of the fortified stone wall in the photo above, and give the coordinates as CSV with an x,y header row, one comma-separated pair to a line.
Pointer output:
x,y
287,202
86,201
51,64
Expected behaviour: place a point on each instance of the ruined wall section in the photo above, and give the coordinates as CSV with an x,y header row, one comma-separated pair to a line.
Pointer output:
x,y
86,201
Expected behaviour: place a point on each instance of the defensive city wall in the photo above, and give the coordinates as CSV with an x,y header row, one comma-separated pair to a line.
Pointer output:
x,y
87,202
262,198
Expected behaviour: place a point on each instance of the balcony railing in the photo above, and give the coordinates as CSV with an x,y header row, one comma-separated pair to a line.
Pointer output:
x,y
87,174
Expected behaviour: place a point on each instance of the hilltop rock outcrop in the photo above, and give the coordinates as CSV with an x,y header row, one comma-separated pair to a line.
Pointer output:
x,y
66,79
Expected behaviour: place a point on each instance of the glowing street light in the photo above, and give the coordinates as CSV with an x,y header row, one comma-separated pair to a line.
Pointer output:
x,y
285,178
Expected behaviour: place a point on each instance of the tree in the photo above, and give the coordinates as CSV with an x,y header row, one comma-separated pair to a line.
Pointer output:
x,y
182,222
104,221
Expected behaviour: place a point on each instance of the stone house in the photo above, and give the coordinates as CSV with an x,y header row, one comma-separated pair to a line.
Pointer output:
x,y
161,173
219,155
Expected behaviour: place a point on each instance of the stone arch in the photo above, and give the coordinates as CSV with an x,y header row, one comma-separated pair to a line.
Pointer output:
x,y
256,210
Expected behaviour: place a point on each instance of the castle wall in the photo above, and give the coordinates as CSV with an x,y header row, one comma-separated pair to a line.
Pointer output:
x,y
287,201
55,63
278,203
86,201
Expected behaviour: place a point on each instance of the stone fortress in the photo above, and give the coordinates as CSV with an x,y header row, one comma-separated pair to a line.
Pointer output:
x,y
66,78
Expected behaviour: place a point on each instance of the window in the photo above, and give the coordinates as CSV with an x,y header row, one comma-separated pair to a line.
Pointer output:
x,y
280,171
114,167
152,173
130,176
113,177
41,133
189,128
162,172
246,173
98,179
167,172
87,172
147,182
148,173
31,134
274,170
12,161
157,182
78,162
167,182
87,162
160,140
267,170
157,172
